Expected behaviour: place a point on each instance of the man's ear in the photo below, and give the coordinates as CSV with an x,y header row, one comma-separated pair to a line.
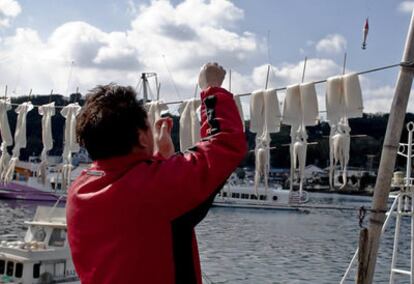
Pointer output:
x,y
143,138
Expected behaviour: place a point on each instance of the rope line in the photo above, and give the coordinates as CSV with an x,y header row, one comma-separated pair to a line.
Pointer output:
x,y
324,81
402,64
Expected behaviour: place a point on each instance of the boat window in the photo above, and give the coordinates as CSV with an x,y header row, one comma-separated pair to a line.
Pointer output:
x,y
36,270
274,198
2,264
253,196
19,270
59,269
245,196
58,237
224,194
235,195
262,197
9,268
39,234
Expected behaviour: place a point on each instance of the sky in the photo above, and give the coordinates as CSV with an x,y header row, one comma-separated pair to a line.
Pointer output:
x,y
68,44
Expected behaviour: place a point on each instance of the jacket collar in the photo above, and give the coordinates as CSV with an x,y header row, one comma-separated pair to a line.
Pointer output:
x,y
121,162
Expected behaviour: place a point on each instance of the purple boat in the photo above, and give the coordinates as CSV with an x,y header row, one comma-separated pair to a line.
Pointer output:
x,y
26,186
20,191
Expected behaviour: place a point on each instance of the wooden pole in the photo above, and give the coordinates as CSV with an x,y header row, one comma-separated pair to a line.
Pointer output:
x,y
267,76
389,153
362,256
196,90
344,64
304,69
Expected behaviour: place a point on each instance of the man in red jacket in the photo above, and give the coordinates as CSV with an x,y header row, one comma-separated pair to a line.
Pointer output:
x,y
131,216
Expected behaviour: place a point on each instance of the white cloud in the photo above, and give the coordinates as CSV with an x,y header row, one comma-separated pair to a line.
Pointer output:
x,y
8,9
182,34
288,73
379,99
334,43
406,6
159,33
97,57
160,28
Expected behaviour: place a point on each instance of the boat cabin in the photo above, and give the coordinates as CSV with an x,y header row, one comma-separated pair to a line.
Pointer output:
x,y
43,256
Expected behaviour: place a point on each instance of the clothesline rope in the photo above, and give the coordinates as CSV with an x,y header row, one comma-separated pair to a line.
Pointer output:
x,y
318,82
324,81
402,64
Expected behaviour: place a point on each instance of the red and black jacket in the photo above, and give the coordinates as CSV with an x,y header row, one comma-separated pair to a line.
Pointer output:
x,y
131,219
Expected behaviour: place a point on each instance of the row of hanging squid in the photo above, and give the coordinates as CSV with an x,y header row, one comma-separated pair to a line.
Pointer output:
x,y
8,163
300,109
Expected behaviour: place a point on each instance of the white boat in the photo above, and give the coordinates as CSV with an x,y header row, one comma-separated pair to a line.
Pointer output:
x,y
244,196
44,254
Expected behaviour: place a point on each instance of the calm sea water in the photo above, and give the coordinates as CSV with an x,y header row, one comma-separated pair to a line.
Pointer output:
x,y
263,246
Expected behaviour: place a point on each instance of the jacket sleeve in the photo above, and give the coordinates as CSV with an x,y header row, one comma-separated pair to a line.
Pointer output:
x,y
193,177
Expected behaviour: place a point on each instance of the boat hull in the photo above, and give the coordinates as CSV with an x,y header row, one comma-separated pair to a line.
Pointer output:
x,y
21,192
252,205
244,196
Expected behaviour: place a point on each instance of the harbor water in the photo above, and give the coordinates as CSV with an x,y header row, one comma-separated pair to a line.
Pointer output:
x,y
269,246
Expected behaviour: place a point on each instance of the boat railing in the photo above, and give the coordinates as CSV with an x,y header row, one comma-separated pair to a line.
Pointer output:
x,y
384,227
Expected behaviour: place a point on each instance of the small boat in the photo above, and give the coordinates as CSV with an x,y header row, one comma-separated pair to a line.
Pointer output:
x,y
44,254
26,185
244,196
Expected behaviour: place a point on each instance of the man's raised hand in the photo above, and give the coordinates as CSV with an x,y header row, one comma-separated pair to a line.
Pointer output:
x,y
211,75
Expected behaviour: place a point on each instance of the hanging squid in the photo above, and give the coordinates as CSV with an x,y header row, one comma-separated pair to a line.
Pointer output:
x,y
20,140
239,108
298,154
340,143
265,118
262,162
365,34
189,123
343,101
300,110
46,111
71,145
6,136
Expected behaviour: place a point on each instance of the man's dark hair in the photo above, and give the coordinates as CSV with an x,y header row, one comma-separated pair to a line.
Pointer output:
x,y
108,123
